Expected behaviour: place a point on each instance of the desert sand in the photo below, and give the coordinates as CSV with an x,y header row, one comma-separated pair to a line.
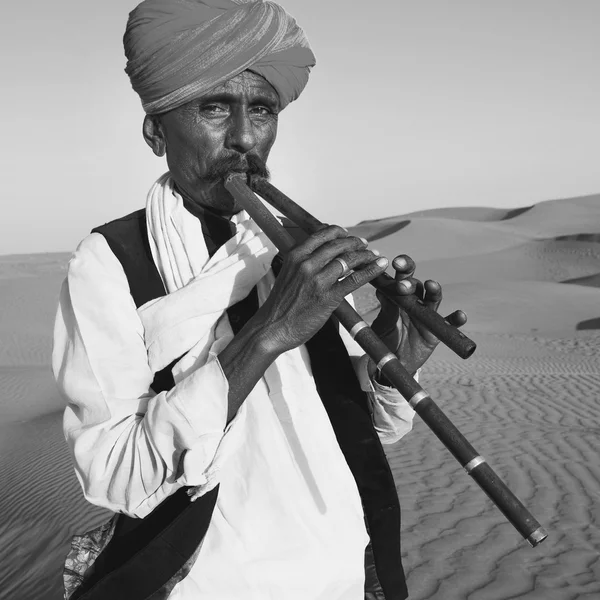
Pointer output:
x,y
528,400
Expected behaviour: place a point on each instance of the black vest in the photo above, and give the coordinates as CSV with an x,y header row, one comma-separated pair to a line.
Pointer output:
x,y
147,557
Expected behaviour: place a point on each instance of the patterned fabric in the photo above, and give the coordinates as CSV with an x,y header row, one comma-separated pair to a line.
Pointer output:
x,y
84,551
177,50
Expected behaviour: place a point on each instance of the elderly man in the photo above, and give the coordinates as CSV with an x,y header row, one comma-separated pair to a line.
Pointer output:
x,y
212,404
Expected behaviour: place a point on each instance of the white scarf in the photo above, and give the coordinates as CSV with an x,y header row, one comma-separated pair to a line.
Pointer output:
x,y
190,321
197,284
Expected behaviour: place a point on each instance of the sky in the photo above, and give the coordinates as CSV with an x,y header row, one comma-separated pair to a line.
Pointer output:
x,y
412,105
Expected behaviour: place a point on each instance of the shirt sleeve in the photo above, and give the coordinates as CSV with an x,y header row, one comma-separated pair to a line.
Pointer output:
x,y
129,444
392,415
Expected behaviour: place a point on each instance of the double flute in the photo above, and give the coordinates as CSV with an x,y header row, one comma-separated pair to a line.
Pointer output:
x,y
386,362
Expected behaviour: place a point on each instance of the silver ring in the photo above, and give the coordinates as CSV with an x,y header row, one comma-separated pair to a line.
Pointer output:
x,y
346,270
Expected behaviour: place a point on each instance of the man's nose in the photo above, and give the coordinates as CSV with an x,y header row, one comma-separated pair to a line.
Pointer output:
x,y
241,136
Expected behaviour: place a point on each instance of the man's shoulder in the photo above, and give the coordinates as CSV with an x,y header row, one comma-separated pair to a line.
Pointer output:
x,y
132,219
127,237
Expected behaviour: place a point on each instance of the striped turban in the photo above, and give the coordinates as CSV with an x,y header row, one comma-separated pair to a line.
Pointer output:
x,y
177,50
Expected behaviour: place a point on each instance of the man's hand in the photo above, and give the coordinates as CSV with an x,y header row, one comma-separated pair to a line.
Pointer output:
x,y
308,288
410,341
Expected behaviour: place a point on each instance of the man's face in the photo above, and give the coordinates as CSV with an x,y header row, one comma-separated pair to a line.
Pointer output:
x,y
231,128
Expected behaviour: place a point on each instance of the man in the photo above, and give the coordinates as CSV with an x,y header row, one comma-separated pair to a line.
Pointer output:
x,y
210,403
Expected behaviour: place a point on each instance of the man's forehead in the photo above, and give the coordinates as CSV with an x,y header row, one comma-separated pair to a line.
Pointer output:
x,y
245,82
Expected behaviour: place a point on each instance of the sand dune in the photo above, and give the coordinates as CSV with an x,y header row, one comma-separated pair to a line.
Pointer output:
x,y
517,306
17,266
470,231
460,213
539,431
559,217
41,504
512,306
528,400
532,260
424,237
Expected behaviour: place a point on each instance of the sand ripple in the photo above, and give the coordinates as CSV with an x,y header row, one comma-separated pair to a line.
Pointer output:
x,y
541,433
42,507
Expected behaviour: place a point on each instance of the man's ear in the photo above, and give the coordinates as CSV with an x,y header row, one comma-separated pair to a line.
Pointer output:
x,y
154,134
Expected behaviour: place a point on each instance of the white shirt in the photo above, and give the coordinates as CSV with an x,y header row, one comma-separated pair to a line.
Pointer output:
x,y
288,523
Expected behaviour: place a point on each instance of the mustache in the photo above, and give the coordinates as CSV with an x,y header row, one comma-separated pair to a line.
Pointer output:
x,y
241,163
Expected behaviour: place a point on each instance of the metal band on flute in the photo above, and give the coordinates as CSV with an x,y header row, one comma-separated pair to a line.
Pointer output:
x,y
427,409
417,398
386,359
475,462
357,328
537,537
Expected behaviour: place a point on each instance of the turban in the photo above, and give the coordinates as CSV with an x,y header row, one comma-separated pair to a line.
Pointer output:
x,y
177,50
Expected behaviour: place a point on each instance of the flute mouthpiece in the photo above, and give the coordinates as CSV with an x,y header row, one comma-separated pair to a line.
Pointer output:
x,y
235,175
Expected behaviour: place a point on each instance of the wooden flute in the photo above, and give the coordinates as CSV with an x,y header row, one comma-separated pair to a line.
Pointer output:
x,y
449,335
390,366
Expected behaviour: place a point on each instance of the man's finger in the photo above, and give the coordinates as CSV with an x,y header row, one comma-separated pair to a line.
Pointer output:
x,y
420,290
316,240
362,276
351,249
404,266
407,286
385,324
341,266
432,294
457,319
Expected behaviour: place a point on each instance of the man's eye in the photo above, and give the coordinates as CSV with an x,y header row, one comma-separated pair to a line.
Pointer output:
x,y
262,111
213,109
